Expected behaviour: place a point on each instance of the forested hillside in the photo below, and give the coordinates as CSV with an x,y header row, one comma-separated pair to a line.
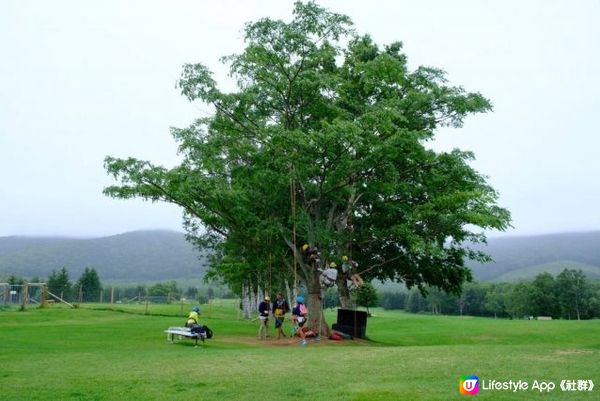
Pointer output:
x,y
165,255
133,256
526,254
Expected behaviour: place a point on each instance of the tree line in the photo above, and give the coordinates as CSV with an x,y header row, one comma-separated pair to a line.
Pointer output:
x,y
569,295
88,288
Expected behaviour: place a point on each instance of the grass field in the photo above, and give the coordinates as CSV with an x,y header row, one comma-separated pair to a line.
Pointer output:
x,y
94,353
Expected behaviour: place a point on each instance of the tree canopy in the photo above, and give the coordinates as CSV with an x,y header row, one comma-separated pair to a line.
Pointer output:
x,y
324,143
89,285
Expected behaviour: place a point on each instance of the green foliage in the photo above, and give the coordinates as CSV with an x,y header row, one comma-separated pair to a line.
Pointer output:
x,y
89,285
59,284
14,280
496,300
191,293
164,289
341,125
543,296
392,300
569,296
415,302
331,299
574,293
367,296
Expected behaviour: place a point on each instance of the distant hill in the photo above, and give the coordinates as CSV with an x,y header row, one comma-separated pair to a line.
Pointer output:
x,y
143,256
134,256
525,257
554,268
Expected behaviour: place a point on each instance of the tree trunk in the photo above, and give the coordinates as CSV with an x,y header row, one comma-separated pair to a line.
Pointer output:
x,y
253,299
316,318
343,291
246,301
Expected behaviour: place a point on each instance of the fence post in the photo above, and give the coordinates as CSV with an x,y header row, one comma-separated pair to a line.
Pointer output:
x,y
44,296
112,295
146,312
80,293
24,296
101,294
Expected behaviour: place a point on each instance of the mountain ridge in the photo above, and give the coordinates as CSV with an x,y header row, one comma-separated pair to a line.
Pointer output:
x,y
155,255
135,255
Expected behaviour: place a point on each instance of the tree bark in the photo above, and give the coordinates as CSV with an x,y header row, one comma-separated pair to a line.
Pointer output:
x,y
343,290
316,318
246,301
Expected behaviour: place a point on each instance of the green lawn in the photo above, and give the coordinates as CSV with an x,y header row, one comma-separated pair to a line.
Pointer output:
x,y
94,353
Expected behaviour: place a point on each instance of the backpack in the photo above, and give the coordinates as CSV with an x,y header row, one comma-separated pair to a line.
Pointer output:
x,y
209,332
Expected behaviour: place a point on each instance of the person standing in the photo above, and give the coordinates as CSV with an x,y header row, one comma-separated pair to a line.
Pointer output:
x,y
264,310
280,308
299,317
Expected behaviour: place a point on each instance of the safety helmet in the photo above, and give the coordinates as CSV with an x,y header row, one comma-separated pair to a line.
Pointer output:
x,y
196,309
345,258
304,247
300,299
267,298
332,265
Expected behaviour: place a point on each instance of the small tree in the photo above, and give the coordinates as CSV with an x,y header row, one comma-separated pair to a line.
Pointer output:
x,y
367,296
59,284
191,293
14,280
89,285
168,289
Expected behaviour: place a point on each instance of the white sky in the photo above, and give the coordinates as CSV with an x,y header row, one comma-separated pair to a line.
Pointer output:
x,y
80,80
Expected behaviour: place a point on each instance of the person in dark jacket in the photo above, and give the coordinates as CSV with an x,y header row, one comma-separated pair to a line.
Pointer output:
x,y
264,310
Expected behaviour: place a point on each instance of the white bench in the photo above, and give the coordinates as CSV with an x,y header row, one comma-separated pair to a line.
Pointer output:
x,y
184,332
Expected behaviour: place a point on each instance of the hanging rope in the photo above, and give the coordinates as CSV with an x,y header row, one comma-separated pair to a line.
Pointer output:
x,y
293,207
270,271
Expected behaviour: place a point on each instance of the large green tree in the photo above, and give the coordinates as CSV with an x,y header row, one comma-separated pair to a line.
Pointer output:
x,y
573,293
325,143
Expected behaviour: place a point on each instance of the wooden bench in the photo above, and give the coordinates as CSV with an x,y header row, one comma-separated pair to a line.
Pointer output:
x,y
184,332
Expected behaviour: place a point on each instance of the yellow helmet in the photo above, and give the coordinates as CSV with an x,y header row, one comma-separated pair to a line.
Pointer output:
x,y
345,258
304,247
332,265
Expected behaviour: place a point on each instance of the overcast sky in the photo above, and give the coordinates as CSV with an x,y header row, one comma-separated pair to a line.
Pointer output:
x,y
80,80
